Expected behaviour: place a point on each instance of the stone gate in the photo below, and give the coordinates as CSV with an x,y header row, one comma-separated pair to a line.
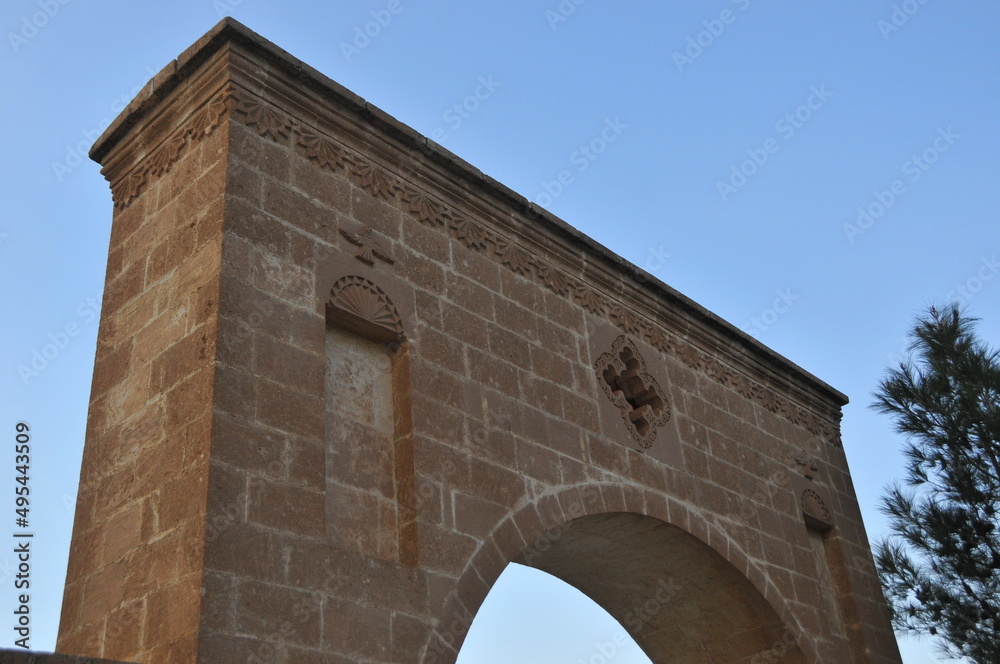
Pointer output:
x,y
343,379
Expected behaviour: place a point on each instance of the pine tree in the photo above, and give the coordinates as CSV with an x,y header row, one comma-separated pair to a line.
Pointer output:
x,y
940,567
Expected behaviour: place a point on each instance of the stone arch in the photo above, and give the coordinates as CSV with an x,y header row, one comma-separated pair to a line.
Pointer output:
x,y
560,532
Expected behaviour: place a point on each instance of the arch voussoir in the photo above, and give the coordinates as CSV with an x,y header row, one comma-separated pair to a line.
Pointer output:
x,y
530,533
612,497
488,562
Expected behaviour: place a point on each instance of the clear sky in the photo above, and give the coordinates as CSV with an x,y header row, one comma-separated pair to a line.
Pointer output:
x,y
816,173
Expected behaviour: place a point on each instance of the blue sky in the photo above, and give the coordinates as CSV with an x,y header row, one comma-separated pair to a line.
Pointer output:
x,y
815,173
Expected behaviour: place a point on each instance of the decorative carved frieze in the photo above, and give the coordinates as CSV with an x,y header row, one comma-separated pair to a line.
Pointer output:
x,y
469,232
162,159
208,118
625,320
374,179
514,257
326,153
588,298
554,279
264,119
426,210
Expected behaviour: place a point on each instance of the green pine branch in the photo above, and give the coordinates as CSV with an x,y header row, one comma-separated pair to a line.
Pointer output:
x,y
940,567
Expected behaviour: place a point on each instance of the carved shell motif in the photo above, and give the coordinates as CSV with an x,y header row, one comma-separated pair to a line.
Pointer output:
x,y
424,209
588,299
265,120
557,282
375,181
469,232
514,257
207,119
359,305
323,152
161,160
814,510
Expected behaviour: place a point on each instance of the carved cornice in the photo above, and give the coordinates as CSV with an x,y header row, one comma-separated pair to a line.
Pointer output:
x,y
329,154
162,160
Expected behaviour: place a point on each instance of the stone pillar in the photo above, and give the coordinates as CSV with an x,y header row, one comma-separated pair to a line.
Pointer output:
x,y
134,582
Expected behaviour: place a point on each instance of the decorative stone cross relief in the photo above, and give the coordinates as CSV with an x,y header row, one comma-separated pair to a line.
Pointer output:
x,y
626,382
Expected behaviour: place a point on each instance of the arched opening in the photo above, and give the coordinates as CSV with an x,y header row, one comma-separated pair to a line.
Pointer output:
x,y
680,600
533,617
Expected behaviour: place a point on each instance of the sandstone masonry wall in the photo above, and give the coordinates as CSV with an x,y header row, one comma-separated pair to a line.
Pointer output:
x,y
287,264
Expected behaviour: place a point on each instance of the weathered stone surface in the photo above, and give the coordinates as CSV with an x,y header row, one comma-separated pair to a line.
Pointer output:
x,y
343,379
22,657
